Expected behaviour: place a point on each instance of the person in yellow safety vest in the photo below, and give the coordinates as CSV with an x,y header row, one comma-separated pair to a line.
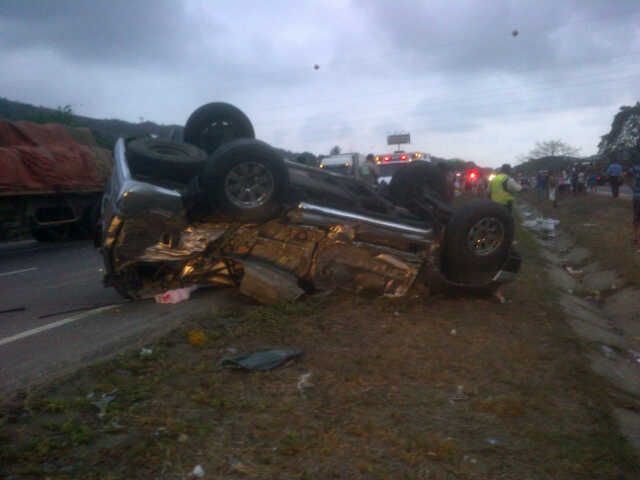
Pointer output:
x,y
502,187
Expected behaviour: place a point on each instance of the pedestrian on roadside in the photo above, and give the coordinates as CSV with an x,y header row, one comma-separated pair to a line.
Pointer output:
x,y
635,172
615,175
502,187
540,185
574,180
581,182
369,171
592,182
553,189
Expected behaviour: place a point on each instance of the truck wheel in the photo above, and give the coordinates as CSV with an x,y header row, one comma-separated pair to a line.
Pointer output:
x,y
86,227
216,123
477,242
411,181
164,159
246,179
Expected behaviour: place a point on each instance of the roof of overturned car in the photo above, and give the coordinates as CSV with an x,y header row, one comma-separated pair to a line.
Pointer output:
x,y
223,208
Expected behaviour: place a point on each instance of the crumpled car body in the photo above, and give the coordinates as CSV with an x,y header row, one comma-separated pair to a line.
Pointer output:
x,y
333,232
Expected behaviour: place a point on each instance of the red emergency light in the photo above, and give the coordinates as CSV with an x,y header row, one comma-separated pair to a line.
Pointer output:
x,y
472,175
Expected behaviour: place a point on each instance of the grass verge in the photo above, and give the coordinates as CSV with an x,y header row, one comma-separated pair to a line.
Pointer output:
x,y
601,224
414,388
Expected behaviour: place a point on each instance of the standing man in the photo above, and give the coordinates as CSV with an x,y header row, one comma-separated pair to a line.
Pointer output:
x,y
574,180
553,189
635,172
540,185
502,187
581,181
369,171
615,175
593,183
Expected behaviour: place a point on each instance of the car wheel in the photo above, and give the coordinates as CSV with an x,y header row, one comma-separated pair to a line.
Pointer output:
x,y
216,123
121,285
164,159
411,182
246,179
477,241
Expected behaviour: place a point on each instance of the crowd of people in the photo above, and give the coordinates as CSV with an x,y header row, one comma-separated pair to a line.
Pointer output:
x,y
581,180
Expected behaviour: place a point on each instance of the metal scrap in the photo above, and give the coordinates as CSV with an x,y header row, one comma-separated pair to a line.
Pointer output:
x,y
268,284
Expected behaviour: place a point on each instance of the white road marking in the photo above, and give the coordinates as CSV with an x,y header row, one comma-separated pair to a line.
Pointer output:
x,y
49,326
14,272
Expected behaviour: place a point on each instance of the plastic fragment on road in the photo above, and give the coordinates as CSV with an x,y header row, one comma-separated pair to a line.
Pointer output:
x,y
239,467
197,337
499,295
459,396
542,225
197,472
303,382
175,296
146,352
262,360
573,271
103,402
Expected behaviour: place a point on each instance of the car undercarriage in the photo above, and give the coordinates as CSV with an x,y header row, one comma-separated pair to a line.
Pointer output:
x,y
244,217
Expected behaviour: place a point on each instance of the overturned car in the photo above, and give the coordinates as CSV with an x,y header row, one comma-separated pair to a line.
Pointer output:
x,y
223,208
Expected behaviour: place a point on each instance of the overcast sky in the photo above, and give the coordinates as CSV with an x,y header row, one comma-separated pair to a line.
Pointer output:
x,y
450,72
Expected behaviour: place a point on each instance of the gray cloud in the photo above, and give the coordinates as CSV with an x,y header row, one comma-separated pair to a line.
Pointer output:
x,y
476,37
447,70
115,31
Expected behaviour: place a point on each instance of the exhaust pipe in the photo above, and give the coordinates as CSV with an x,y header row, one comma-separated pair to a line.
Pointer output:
x,y
308,207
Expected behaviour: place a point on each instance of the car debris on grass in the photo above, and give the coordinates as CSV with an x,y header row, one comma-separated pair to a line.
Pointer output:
x,y
262,360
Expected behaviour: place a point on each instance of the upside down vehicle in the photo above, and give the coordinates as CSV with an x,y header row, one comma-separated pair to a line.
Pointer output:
x,y
223,208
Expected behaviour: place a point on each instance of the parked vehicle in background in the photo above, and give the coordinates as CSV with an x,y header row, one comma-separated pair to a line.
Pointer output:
x,y
51,181
345,163
390,163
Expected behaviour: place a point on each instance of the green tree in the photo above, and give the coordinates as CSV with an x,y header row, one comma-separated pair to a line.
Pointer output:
x,y
553,148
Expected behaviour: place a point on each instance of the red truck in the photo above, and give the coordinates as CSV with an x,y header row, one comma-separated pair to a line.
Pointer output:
x,y
51,181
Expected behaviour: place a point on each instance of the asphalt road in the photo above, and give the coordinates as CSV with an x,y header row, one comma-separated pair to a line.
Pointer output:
x,y
66,318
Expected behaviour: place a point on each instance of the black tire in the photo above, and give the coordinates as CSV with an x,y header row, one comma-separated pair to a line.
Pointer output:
x,y
411,181
127,283
265,171
214,124
164,159
493,225
86,227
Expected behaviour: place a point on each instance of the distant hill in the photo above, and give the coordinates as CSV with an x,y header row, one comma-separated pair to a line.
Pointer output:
x,y
106,131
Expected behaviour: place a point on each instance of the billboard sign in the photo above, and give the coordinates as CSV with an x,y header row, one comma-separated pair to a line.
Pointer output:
x,y
398,139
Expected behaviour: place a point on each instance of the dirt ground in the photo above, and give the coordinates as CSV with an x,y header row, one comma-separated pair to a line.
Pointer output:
x,y
426,387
